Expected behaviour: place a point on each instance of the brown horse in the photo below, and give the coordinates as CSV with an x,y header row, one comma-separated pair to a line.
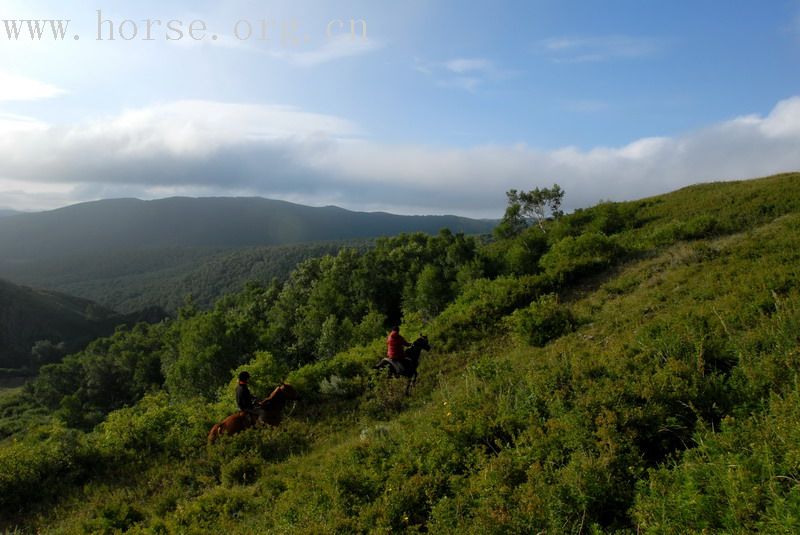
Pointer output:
x,y
270,410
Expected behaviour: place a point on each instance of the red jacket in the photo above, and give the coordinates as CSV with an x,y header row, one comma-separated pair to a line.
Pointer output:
x,y
394,345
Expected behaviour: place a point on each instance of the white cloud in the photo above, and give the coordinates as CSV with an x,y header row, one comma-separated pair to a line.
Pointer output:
x,y
16,87
200,147
598,48
465,65
335,48
467,74
11,123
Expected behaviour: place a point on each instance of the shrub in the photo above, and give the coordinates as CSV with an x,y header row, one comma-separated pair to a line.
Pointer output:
x,y
544,320
477,312
215,506
41,465
242,470
154,425
114,517
343,375
572,257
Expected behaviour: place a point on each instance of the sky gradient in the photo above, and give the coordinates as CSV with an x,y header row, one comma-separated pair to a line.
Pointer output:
x,y
441,108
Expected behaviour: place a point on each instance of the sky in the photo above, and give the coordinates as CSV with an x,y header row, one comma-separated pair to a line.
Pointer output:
x,y
415,107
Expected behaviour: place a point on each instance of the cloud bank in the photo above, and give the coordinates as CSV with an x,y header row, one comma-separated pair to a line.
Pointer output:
x,y
204,147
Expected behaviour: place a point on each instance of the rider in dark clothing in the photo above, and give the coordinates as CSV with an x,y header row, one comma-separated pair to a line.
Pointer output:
x,y
244,399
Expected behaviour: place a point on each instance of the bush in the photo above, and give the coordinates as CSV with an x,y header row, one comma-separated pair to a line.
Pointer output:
x,y
242,470
41,465
571,257
154,425
114,517
214,507
477,312
544,320
344,375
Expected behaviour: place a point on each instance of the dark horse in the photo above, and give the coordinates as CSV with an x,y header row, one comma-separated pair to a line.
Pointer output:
x,y
407,366
270,411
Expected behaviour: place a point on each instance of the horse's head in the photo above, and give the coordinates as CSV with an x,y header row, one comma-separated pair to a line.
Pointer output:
x,y
422,343
282,393
289,391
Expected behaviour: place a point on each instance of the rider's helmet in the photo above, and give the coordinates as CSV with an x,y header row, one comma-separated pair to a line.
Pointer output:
x,y
396,328
244,376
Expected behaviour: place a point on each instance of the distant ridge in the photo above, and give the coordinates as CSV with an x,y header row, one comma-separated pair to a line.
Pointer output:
x,y
6,212
28,315
124,224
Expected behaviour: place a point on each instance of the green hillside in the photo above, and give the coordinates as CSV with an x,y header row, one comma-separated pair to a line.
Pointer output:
x,y
631,368
29,315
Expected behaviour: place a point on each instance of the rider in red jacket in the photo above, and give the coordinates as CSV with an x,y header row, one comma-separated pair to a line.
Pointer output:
x,y
395,344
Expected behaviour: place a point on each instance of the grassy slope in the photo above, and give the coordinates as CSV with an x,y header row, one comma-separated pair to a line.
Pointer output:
x,y
602,424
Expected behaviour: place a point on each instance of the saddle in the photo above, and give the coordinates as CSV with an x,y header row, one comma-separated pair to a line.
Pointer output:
x,y
251,417
399,365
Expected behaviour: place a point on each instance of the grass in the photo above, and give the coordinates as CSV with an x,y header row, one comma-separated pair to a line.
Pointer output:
x,y
670,405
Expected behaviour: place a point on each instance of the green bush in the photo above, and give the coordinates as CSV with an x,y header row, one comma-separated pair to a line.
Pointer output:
x,y
42,465
114,517
155,425
344,375
544,320
476,313
573,257
215,507
242,470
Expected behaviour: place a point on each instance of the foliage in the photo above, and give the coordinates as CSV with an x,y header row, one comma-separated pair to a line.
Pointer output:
x,y
573,257
650,383
526,206
544,320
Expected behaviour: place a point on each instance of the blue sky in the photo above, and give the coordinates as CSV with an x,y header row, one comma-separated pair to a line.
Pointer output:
x,y
441,108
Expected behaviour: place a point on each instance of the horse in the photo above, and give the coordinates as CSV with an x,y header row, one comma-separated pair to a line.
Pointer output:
x,y
269,409
407,366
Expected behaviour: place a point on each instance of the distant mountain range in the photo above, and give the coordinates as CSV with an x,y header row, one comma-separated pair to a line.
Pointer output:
x,y
5,212
29,315
127,253
124,224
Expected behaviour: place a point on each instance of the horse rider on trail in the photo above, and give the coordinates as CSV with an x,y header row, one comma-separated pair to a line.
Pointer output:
x,y
245,400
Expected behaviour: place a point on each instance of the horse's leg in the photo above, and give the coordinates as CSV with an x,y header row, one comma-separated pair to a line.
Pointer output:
x,y
412,382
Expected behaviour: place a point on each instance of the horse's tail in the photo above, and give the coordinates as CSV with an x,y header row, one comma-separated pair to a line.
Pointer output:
x,y
215,432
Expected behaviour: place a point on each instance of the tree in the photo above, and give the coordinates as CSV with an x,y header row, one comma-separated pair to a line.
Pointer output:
x,y
432,291
526,206
46,352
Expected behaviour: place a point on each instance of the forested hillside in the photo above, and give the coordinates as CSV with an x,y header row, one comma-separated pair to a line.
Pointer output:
x,y
127,254
60,323
630,367
131,280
